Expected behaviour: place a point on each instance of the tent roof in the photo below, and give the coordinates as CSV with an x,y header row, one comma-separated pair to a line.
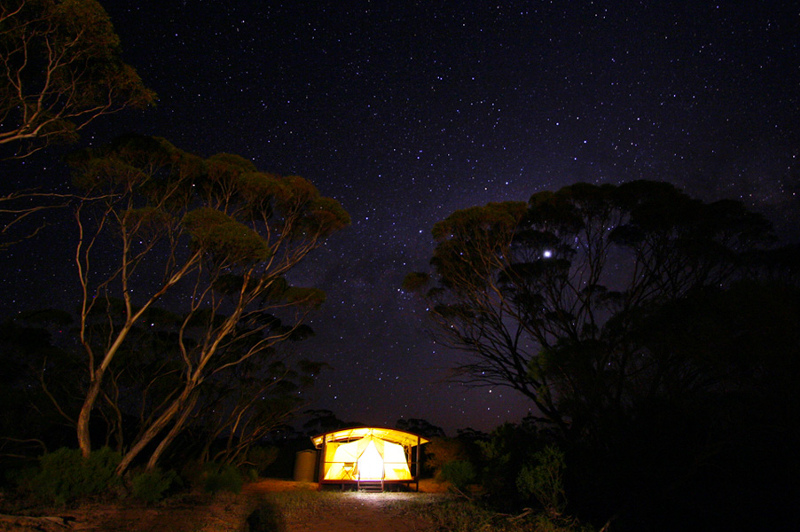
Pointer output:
x,y
406,439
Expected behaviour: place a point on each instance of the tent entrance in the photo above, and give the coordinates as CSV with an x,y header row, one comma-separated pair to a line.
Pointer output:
x,y
370,464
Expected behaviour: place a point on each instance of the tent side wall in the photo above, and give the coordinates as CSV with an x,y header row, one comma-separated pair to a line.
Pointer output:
x,y
395,463
328,459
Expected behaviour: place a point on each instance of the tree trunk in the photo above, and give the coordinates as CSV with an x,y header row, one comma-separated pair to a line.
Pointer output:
x,y
84,438
155,428
176,429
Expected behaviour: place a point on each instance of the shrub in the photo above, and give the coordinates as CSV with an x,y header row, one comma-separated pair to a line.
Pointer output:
x,y
441,451
545,480
150,486
262,457
222,477
459,472
250,474
65,475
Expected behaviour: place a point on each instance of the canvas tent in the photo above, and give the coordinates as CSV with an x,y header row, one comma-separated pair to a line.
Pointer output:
x,y
368,454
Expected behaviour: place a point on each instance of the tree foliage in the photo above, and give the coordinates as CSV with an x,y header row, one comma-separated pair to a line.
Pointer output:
x,y
544,297
421,427
652,331
61,69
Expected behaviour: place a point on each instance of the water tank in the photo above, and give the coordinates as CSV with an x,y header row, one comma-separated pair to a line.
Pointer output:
x,y
305,463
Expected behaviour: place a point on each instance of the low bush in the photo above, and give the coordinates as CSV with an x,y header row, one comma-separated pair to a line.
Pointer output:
x,y
150,486
222,477
544,480
261,458
458,472
64,475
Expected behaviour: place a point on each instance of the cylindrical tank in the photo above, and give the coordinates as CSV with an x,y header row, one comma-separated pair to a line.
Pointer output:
x,y
305,462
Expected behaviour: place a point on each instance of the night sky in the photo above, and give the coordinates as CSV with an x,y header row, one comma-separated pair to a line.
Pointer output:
x,y
407,110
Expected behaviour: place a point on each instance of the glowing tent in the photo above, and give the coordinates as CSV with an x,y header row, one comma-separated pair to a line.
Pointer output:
x,y
368,454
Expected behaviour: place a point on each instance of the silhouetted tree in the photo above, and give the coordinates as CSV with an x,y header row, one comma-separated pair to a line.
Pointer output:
x,y
420,426
252,399
61,69
321,421
35,385
541,296
650,329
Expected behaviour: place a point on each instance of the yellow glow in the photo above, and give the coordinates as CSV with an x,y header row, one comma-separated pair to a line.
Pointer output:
x,y
393,435
369,458
367,453
370,463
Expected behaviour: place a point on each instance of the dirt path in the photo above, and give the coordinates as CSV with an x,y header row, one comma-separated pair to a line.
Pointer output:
x,y
352,511
360,512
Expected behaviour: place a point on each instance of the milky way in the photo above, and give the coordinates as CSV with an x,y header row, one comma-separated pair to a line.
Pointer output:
x,y
406,111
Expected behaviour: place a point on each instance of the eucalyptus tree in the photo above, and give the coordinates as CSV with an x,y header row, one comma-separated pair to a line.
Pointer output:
x,y
546,296
212,240
252,400
60,69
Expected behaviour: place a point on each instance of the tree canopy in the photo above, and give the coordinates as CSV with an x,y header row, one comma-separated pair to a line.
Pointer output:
x,y
653,333
545,297
61,69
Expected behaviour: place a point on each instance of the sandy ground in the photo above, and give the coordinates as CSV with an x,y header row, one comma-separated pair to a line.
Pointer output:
x,y
226,512
360,512
346,512
357,512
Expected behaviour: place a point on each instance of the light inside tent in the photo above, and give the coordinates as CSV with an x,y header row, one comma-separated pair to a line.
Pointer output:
x,y
370,463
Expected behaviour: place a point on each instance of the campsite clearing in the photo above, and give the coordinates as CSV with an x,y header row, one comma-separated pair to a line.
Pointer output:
x,y
351,512
302,509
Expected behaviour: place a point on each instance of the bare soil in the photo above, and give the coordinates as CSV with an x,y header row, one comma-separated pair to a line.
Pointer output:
x,y
363,512
345,512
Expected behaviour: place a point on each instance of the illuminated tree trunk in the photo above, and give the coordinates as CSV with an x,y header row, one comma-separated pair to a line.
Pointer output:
x,y
155,429
84,438
181,406
82,428
176,429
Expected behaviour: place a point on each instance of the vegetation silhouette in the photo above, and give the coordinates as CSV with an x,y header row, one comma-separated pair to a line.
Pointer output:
x,y
652,333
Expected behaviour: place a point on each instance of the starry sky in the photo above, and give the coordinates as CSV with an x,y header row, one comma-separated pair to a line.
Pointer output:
x,y
407,110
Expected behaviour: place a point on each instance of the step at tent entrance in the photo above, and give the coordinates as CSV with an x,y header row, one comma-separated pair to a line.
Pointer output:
x,y
369,454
